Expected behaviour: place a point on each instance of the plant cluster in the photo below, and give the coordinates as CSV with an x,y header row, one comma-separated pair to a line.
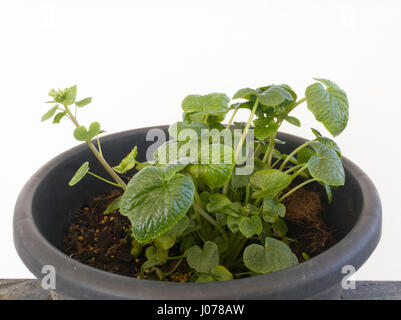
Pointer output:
x,y
217,220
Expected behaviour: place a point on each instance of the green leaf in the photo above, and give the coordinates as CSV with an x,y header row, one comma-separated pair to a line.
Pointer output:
x,y
270,182
113,206
328,192
216,165
217,202
167,239
94,130
69,95
280,227
128,163
81,134
164,241
170,169
326,166
81,172
233,223
250,226
316,133
221,273
274,256
329,105
274,96
83,102
197,107
154,205
264,128
154,256
245,93
205,277
49,113
272,209
58,117
293,120
330,144
136,248
203,260
304,155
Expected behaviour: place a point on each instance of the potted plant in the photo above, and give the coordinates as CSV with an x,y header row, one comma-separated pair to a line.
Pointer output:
x,y
217,212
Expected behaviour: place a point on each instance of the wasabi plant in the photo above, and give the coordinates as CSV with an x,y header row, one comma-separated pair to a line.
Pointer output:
x,y
212,196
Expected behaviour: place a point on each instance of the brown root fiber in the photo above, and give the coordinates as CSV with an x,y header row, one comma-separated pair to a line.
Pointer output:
x,y
306,227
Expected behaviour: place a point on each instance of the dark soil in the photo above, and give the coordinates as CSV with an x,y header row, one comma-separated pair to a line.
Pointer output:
x,y
104,241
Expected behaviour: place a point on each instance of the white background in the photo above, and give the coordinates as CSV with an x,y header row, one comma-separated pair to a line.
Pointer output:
x,y
139,60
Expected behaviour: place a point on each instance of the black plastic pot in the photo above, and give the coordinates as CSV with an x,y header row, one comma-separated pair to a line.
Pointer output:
x,y
47,204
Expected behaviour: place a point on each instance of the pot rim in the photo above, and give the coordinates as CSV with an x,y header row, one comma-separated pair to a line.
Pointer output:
x,y
80,280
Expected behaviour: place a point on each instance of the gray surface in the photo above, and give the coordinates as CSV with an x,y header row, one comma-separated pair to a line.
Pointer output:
x,y
27,289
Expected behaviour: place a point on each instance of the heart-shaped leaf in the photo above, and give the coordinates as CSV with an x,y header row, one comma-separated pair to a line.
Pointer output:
x,y
203,260
264,128
270,182
326,166
329,105
274,95
153,204
272,209
81,172
233,223
197,107
81,134
221,273
94,130
274,256
128,162
249,226
217,202
216,163
210,103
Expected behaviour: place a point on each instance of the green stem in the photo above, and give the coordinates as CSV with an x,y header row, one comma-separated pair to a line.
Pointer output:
x,y
230,121
269,152
248,124
204,214
239,146
296,188
175,258
105,180
174,269
98,155
299,171
98,146
247,193
293,153
296,104
294,168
